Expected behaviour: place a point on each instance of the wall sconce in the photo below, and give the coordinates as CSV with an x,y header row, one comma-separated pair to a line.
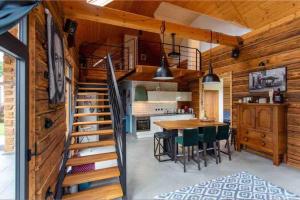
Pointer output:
x,y
48,123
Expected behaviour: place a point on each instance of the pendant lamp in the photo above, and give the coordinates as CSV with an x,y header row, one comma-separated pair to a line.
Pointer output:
x,y
163,72
210,78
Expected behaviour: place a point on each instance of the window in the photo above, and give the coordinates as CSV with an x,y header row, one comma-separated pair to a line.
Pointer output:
x,y
13,112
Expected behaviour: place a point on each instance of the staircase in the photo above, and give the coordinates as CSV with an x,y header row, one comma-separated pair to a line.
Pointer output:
x,y
97,141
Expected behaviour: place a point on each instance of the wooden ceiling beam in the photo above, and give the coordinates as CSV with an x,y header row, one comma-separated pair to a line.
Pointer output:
x,y
85,11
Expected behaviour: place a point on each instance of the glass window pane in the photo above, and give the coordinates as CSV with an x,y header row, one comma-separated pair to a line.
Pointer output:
x,y
7,126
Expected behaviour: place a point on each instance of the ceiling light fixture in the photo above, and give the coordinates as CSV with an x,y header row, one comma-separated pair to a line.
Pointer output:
x,y
163,72
210,78
99,2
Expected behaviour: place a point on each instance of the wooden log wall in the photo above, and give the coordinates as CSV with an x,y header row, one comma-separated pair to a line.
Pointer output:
x,y
277,45
48,143
226,91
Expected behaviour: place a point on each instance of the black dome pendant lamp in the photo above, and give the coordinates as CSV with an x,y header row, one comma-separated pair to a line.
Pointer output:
x,y
210,78
163,72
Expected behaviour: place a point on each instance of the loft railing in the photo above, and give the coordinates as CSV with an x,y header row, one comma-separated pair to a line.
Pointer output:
x,y
140,52
118,120
66,154
177,56
120,54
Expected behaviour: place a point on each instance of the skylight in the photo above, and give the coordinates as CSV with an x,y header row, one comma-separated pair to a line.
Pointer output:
x,y
99,2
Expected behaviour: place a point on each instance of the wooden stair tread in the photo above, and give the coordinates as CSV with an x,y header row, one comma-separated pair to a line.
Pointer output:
x,y
91,106
91,159
92,100
90,83
100,193
94,175
92,122
87,133
92,114
92,93
85,145
93,89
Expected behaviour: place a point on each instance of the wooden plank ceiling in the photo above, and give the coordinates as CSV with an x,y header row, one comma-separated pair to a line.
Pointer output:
x,y
251,14
89,31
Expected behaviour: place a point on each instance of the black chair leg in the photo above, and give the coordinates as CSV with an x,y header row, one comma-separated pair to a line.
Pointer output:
x,y
175,152
205,154
229,152
215,152
219,151
154,146
159,151
184,158
198,156
189,154
192,151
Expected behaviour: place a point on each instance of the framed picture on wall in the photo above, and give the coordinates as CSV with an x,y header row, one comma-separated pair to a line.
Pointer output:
x,y
263,81
55,62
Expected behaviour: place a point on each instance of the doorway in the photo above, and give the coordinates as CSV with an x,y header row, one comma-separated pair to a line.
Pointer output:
x,y
211,104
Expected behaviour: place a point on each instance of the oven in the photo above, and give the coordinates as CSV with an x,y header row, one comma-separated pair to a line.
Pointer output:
x,y
142,124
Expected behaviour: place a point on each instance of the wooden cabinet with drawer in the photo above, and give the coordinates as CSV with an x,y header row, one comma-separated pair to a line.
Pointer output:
x,y
262,127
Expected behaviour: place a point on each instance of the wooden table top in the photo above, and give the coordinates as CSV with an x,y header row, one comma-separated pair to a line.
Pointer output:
x,y
183,124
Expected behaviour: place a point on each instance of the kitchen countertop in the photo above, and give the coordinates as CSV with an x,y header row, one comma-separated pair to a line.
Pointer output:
x,y
161,114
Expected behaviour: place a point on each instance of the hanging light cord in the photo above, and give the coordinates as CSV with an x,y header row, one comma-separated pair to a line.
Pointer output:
x,y
210,64
162,31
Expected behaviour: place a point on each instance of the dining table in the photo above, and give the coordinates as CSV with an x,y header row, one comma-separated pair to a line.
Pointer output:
x,y
177,126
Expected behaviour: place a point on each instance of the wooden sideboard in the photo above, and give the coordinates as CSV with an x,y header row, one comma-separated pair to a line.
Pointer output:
x,y
262,127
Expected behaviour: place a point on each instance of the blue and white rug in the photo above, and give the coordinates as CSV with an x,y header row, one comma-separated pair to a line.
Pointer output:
x,y
240,186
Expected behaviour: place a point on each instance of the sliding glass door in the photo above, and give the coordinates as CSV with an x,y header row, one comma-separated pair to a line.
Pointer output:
x,y
14,112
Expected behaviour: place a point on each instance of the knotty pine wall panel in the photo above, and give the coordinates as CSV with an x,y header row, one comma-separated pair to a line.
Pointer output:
x,y
47,142
278,46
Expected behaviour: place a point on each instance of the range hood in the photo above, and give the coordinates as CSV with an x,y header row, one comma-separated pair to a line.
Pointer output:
x,y
140,93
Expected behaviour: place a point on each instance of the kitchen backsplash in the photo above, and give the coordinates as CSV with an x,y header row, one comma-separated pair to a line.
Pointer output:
x,y
153,107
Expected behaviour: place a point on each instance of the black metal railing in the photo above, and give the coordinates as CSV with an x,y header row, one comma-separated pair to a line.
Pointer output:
x,y
140,52
119,53
63,168
177,56
118,120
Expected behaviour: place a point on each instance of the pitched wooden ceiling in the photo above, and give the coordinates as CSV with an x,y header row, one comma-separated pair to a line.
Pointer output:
x,y
251,14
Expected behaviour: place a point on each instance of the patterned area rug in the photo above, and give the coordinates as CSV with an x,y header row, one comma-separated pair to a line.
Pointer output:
x,y
240,186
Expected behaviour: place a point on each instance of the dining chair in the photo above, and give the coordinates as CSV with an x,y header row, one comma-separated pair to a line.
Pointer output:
x,y
162,145
189,138
223,134
208,136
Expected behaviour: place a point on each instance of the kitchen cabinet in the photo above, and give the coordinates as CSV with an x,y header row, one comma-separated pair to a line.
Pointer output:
x,y
161,96
183,96
169,96
262,127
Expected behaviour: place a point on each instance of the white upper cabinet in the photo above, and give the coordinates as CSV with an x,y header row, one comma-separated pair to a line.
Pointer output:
x,y
169,96
183,96
161,96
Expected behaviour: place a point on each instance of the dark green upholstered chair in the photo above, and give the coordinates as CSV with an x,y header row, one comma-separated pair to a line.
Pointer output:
x,y
208,136
189,138
223,134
